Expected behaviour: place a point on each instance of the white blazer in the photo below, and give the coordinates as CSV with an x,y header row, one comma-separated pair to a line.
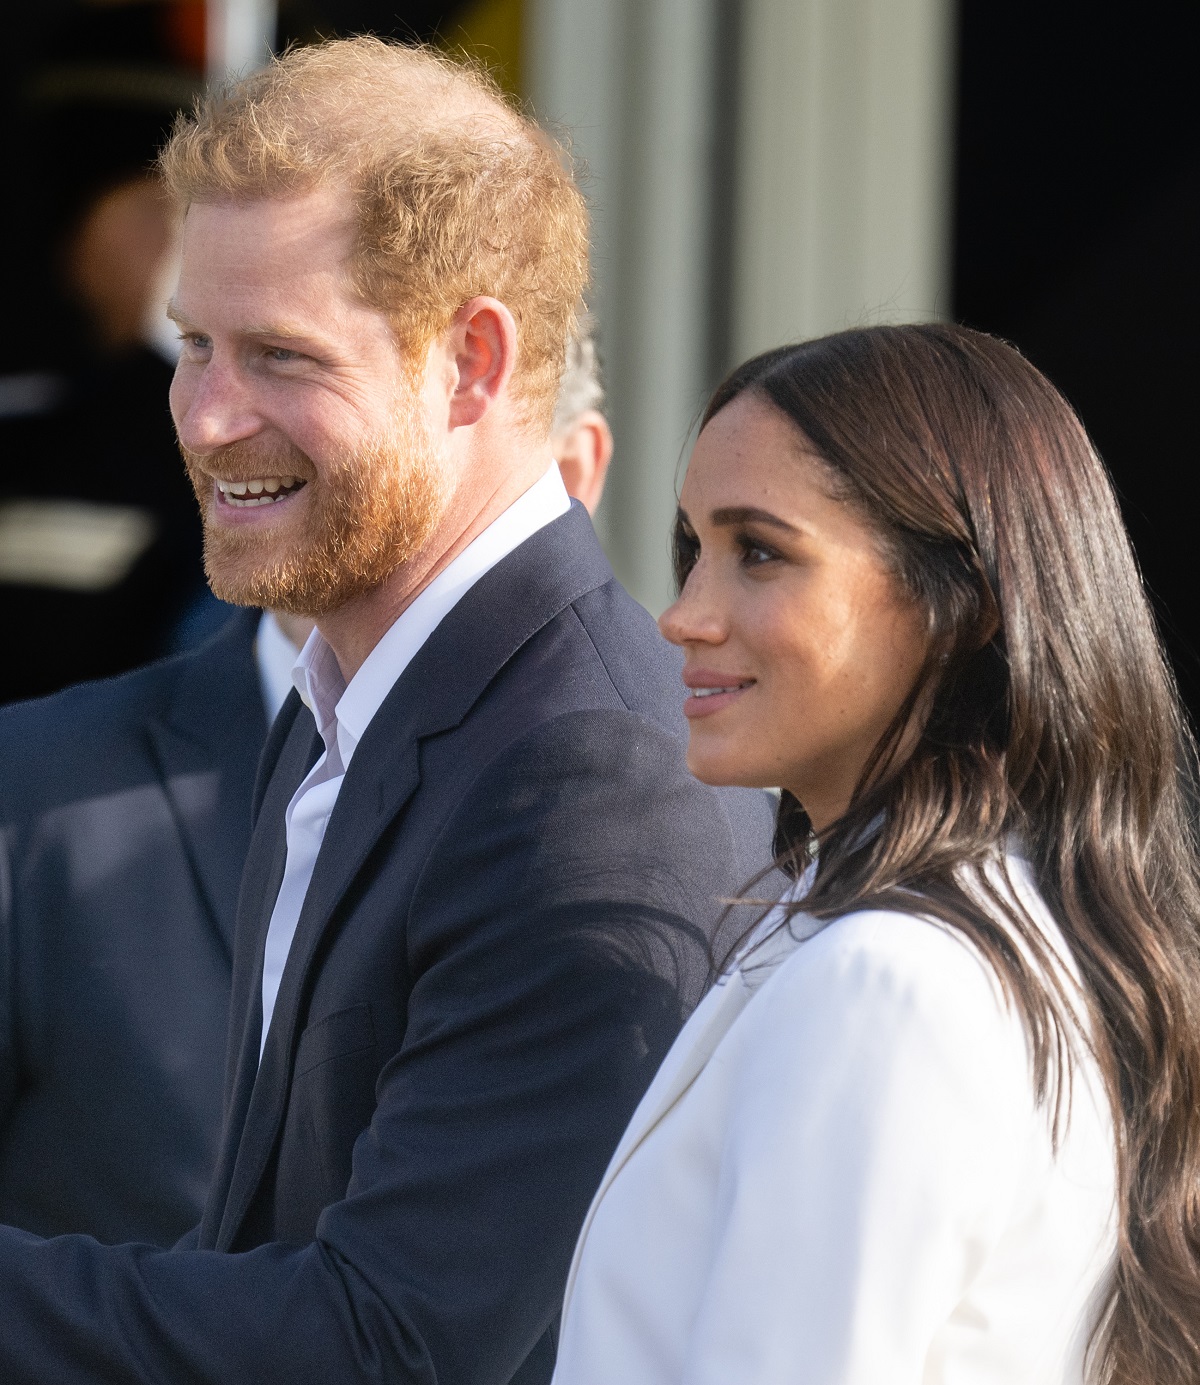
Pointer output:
x,y
840,1176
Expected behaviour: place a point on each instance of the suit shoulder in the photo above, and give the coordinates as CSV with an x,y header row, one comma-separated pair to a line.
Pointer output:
x,y
644,668
108,709
583,756
599,744
608,779
104,707
90,739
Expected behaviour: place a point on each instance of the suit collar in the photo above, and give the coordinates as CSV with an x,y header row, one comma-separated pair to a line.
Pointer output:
x,y
207,743
344,711
501,612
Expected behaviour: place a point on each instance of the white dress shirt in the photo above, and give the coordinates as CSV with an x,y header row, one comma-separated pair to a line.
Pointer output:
x,y
840,1176
344,711
275,656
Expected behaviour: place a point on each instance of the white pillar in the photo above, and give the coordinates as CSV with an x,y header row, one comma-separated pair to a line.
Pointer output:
x,y
240,36
843,199
631,81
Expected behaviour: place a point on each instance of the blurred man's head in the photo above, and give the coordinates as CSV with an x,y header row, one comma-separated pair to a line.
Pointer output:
x,y
580,437
114,260
381,263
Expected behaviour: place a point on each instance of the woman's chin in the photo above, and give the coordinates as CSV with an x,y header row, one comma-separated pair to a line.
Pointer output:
x,y
727,771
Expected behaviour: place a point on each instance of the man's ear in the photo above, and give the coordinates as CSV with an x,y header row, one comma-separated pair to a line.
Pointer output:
x,y
583,452
482,340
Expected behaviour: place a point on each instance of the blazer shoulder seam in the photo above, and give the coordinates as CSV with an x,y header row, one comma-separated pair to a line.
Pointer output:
x,y
603,662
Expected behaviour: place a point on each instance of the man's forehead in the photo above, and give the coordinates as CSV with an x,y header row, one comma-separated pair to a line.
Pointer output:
x,y
315,218
274,268
284,249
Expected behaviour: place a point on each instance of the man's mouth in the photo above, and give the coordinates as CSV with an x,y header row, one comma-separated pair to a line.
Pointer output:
x,y
261,491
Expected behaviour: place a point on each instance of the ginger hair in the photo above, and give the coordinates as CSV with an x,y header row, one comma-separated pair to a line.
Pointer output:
x,y
454,192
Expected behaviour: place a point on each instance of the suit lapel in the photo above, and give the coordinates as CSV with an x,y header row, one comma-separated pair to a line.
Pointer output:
x,y
262,1087
503,610
206,746
260,885
689,1056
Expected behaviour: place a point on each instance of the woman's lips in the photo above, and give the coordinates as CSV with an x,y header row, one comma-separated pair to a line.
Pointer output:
x,y
704,699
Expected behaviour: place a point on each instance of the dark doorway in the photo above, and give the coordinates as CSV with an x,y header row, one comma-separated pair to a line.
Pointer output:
x,y
100,542
1077,234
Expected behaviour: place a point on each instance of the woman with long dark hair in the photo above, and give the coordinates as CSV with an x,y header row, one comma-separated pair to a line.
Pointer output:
x,y
939,1118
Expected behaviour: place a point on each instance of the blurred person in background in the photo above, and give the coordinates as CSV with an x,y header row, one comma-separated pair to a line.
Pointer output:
x,y
100,542
580,437
99,538
124,823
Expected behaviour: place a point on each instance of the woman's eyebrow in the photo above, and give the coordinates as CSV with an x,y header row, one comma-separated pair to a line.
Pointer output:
x,y
748,514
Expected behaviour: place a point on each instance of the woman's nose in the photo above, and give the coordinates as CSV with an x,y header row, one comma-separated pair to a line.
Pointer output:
x,y
694,617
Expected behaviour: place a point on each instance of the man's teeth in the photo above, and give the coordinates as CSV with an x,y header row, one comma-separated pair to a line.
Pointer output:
x,y
258,492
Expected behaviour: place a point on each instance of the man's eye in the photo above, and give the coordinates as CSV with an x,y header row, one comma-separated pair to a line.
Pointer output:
x,y
195,341
282,353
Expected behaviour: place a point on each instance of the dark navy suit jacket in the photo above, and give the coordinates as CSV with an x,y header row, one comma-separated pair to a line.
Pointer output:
x,y
507,925
124,822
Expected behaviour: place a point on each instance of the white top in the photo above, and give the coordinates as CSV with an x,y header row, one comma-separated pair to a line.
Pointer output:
x,y
344,711
839,1177
275,656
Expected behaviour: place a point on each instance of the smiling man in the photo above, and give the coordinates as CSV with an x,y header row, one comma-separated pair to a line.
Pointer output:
x,y
481,884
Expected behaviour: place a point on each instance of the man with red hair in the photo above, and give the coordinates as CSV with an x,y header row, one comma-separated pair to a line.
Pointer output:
x,y
481,885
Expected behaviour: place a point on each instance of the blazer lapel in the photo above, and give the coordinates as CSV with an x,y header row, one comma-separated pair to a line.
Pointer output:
x,y
206,746
689,1056
262,1087
242,1157
503,610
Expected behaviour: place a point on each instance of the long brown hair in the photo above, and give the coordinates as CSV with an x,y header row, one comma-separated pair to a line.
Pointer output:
x,y
1048,711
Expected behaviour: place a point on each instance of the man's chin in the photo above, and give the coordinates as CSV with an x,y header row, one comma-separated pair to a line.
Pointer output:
x,y
301,585
239,572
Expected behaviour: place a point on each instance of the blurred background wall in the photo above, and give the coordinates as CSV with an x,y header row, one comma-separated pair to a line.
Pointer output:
x,y
758,171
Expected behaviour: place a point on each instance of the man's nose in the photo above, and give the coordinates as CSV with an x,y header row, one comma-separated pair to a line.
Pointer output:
x,y
212,406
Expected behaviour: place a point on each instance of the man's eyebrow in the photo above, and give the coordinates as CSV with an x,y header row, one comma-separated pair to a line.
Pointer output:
x,y
280,330
277,329
749,514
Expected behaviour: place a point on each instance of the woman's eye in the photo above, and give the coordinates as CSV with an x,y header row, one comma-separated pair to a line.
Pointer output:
x,y
685,552
754,554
